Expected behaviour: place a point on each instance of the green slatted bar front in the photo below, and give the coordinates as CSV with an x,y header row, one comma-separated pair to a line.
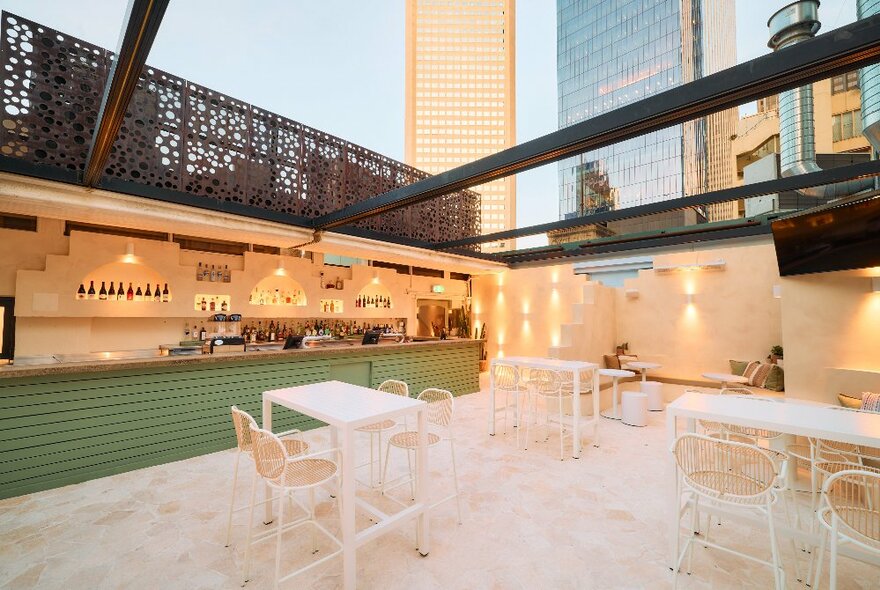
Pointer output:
x,y
65,428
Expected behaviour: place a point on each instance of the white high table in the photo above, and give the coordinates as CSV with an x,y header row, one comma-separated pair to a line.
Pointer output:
x,y
575,368
345,408
800,418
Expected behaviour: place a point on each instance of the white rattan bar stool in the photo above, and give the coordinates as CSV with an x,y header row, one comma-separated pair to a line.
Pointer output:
x,y
293,443
730,474
548,386
850,513
286,475
376,430
507,380
441,411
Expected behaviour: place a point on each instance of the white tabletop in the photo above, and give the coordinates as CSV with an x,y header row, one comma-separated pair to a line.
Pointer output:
x,y
342,404
546,363
642,365
813,420
726,377
616,373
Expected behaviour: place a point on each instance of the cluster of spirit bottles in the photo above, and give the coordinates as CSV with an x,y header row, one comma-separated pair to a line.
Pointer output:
x,y
277,297
208,303
120,293
213,274
375,302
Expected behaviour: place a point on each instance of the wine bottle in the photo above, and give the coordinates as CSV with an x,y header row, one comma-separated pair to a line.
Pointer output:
x,y
111,294
224,306
81,292
199,275
91,293
138,294
148,295
120,293
166,296
157,296
130,295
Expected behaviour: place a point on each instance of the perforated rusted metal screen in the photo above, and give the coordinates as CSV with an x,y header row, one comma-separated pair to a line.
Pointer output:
x,y
180,136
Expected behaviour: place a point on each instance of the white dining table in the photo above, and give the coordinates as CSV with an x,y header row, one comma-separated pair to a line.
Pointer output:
x,y
345,408
789,416
573,367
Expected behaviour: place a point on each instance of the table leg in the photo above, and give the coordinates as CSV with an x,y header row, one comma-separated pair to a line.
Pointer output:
x,y
644,375
614,400
576,417
423,533
674,499
267,425
492,400
596,408
349,542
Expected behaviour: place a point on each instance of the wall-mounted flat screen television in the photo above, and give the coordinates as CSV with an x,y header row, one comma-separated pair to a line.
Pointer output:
x,y
842,236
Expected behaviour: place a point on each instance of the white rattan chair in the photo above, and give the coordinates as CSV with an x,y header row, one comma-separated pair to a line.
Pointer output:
x,y
242,421
548,386
850,513
376,430
730,474
507,380
441,411
286,474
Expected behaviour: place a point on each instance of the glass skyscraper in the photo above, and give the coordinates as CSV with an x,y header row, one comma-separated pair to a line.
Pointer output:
x,y
614,52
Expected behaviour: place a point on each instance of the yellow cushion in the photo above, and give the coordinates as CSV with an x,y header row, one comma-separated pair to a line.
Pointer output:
x,y
848,401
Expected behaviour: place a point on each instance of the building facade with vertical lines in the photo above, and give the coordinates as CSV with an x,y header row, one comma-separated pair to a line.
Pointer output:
x,y
460,94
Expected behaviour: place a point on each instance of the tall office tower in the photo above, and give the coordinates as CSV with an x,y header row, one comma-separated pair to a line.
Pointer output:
x,y
614,52
460,88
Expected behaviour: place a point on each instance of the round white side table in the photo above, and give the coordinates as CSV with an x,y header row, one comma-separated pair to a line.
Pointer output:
x,y
726,378
615,374
643,367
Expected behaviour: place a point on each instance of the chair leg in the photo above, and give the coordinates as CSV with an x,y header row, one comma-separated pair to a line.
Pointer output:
x,y
385,470
695,519
250,526
506,408
528,402
817,577
379,455
372,460
455,479
561,431
232,500
278,543
832,563
788,521
412,475
778,574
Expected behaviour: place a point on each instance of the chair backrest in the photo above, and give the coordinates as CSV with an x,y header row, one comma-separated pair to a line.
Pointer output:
x,y
545,381
269,453
394,386
726,470
853,495
243,423
440,406
752,432
506,376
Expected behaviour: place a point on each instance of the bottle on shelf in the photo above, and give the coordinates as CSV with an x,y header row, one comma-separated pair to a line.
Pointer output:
x,y
227,275
148,295
157,296
204,304
120,292
338,283
199,275
212,306
91,292
272,331
166,296
81,292
224,306
213,274
111,294
186,330
203,334
130,294
102,294
138,294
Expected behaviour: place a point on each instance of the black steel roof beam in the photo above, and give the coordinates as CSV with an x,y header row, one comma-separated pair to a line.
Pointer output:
x,y
847,48
790,183
142,21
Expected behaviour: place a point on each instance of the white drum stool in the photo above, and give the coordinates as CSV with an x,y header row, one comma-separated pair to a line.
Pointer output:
x,y
655,395
635,408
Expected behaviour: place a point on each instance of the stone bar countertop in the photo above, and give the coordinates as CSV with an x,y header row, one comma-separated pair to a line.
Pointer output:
x,y
341,350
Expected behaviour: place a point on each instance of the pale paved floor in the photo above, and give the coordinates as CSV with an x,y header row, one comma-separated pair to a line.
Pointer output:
x,y
529,521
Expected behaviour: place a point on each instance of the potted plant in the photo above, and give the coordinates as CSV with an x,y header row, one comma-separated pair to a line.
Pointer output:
x,y
775,354
623,348
484,360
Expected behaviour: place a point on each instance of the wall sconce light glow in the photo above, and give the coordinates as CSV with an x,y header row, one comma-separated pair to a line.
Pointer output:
x,y
129,257
500,298
279,270
500,338
501,279
526,327
554,278
690,299
555,339
477,308
554,296
525,308
500,354
777,291
689,287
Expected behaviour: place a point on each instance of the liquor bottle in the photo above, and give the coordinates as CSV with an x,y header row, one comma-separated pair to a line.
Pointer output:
x,y
206,273
213,305
199,275
227,275
204,304
203,334
186,331
262,298
224,306
91,293
166,296
276,298
338,283
120,292
130,294
111,294
81,292
138,294
272,331
213,274
332,307
148,295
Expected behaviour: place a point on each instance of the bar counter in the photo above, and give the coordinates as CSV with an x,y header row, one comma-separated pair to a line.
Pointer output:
x,y
66,423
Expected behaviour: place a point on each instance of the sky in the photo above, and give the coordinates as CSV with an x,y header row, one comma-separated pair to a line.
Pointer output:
x,y
338,65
